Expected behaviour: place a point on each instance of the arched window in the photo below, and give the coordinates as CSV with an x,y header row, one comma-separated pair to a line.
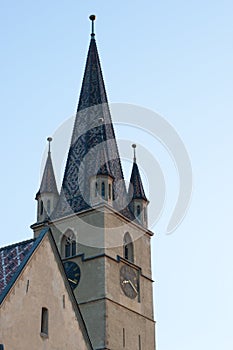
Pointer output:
x,y
128,248
96,189
109,191
48,206
103,189
138,210
68,244
41,208
44,321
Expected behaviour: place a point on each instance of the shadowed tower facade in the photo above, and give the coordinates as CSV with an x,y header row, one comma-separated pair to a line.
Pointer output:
x,y
100,226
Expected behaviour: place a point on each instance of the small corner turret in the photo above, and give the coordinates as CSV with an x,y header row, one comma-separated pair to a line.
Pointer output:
x,y
139,202
47,196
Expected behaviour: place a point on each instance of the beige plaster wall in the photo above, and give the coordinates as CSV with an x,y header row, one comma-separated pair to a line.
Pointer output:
x,y
134,326
20,314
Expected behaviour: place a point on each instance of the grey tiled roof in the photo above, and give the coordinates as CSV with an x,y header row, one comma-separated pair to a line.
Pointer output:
x,y
11,258
93,146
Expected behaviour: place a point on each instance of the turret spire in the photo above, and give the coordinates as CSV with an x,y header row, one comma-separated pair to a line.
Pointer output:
x,y
136,181
47,196
139,202
48,182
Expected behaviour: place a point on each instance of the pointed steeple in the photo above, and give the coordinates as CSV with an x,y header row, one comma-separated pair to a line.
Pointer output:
x,y
139,202
93,144
93,90
137,190
47,195
48,182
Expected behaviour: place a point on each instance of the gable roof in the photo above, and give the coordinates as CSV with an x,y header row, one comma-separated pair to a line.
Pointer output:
x,y
13,260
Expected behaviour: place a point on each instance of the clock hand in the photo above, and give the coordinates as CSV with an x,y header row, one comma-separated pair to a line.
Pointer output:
x,y
133,286
75,282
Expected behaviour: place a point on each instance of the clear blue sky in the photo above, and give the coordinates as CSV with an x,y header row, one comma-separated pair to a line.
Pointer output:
x,y
174,57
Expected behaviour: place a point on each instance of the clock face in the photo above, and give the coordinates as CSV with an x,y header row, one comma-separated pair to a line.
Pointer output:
x,y
73,273
129,281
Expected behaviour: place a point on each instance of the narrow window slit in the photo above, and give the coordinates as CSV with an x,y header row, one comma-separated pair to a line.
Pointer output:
x,y
27,286
44,321
139,343
123,338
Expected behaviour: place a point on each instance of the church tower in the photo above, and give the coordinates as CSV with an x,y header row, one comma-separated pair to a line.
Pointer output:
x,y
100,227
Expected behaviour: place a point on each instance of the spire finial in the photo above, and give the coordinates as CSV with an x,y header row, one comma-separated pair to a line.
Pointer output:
x,y
49,139
134,152
92,18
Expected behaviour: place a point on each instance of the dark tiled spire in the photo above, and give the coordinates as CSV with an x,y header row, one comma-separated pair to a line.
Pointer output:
x,y
136,190
48,182
93,144
93,89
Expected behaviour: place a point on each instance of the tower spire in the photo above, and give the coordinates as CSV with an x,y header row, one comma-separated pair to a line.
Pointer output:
x,y
91,142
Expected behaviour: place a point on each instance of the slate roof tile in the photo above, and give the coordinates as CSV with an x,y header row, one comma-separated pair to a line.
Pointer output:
x,y
11,258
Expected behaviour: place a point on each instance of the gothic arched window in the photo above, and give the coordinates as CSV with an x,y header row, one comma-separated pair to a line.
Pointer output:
x,y
96,189
138,210
103,189
48,206
128,248
68,244
41,208
109,191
